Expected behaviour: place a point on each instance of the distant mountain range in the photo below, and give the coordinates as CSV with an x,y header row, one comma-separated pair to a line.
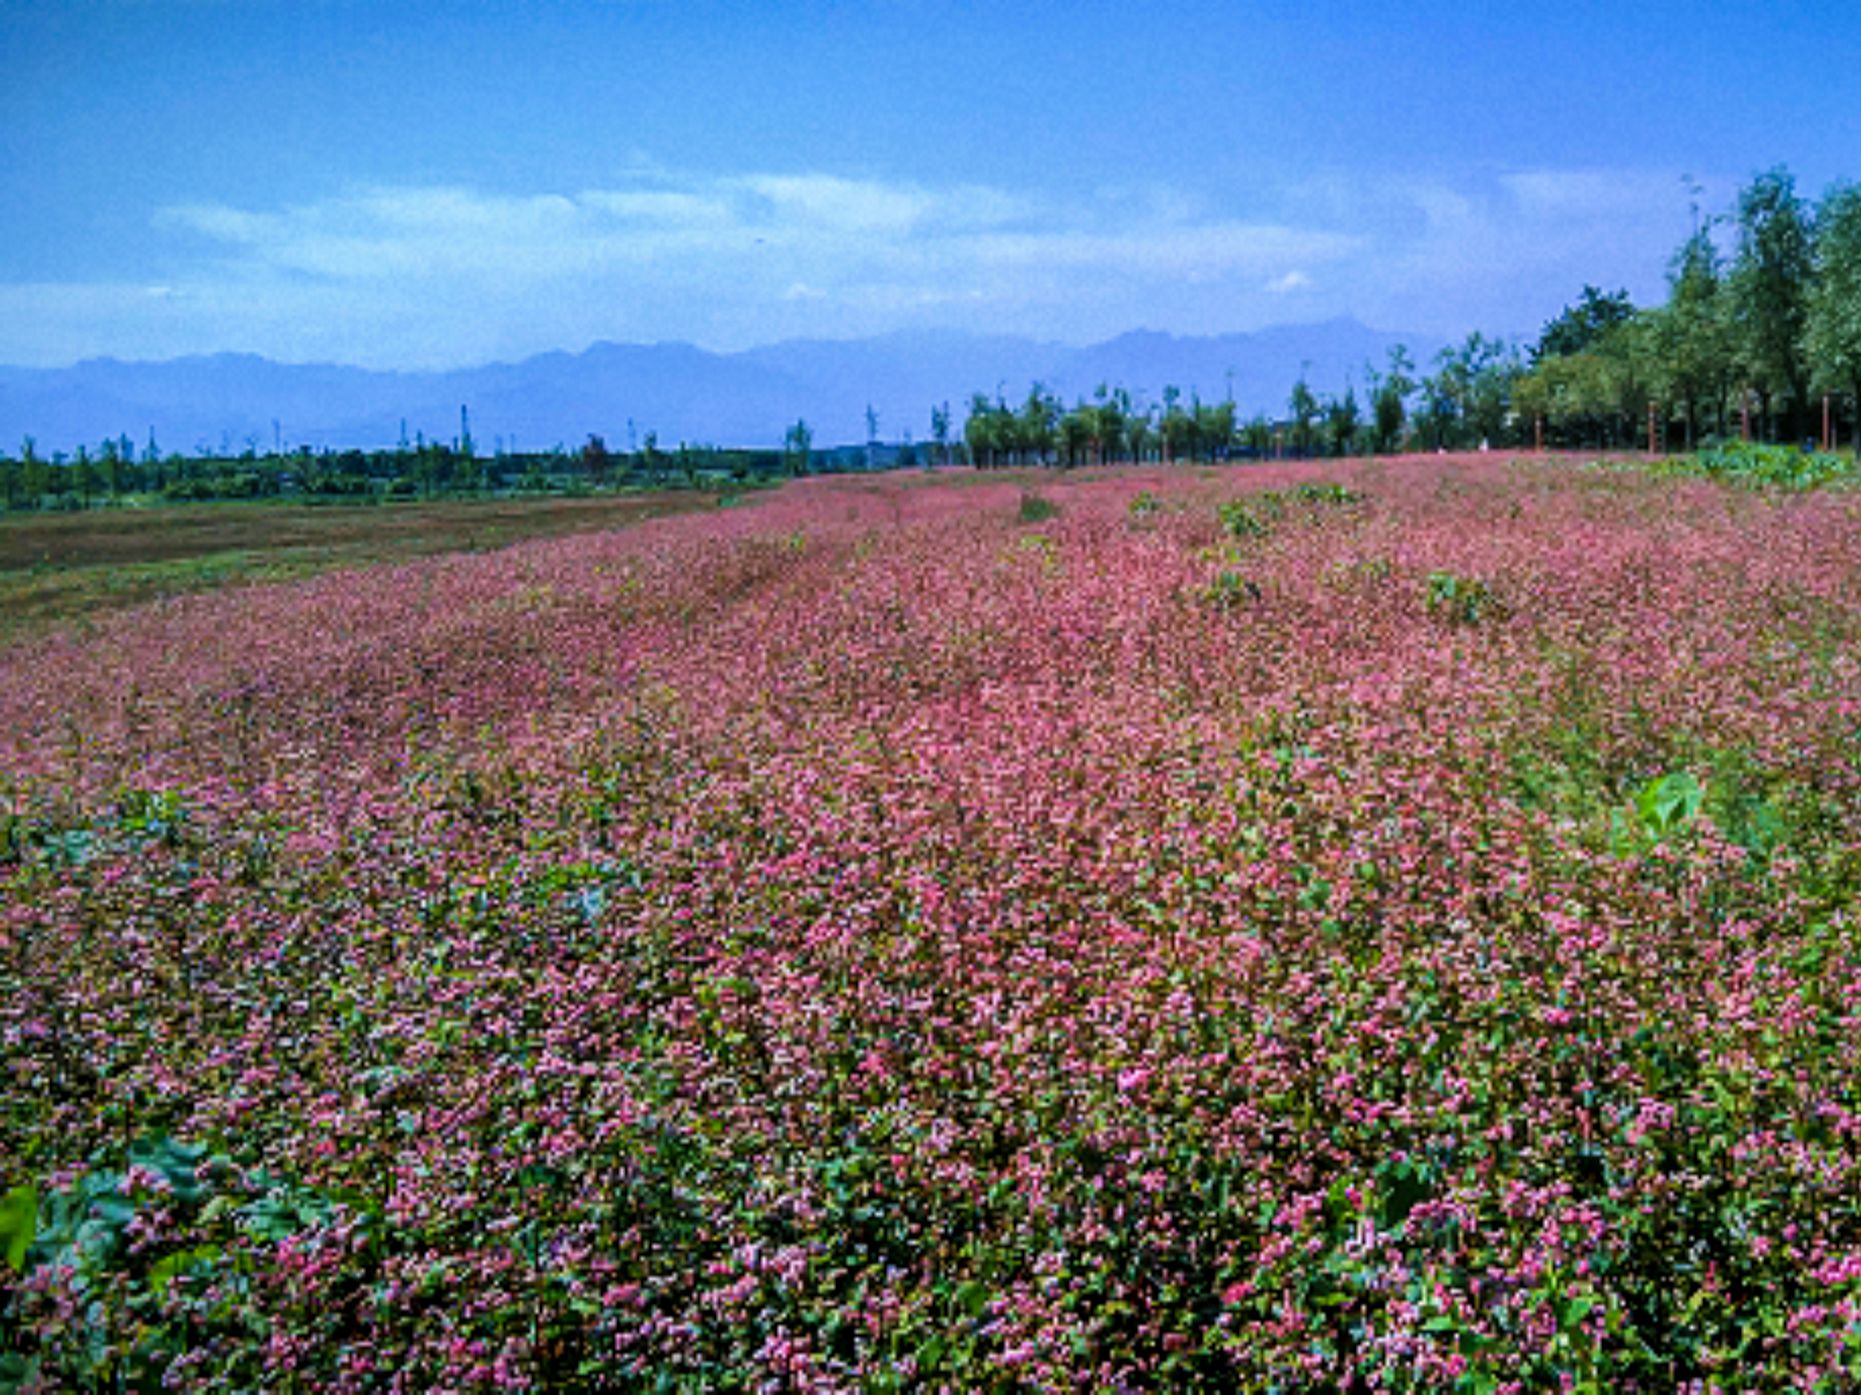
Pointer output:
x,y
680,392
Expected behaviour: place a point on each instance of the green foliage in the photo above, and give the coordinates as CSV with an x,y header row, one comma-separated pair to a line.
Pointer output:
x,y
1252,517
1781,467
1661,809
142,817
1255,515
1327,494
1462,600
19,1224
106,1227
1583,325
1833,331
1035,508
1231,590
1770,284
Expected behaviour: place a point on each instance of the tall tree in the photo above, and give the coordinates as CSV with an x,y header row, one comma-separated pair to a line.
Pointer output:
x,y
1690,332
1038,425
1389,397
1303,406
1834,320
1472,391
1438,420
797,443
595,460
1580,326
1770,282
1341,421
1214,427
981,431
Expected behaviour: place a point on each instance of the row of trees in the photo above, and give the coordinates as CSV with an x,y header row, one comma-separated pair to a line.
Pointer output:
x,y
1750,339
1465,401
1751,335
1109,427
115,471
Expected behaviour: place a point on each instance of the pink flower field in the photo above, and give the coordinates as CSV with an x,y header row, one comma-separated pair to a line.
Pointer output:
x,y
1390,926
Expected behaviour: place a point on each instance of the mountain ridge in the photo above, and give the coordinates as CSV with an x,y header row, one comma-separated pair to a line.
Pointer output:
x,y
232,399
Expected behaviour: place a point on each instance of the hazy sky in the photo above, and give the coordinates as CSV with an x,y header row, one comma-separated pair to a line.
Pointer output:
x,y
423,184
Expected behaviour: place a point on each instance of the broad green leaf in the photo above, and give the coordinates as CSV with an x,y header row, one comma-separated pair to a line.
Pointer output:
x,y
19,1222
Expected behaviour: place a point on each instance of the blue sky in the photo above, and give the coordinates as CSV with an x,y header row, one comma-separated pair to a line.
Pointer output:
x,y
425,185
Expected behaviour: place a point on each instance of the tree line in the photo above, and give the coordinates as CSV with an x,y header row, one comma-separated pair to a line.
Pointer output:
x,y
1760,327
1751,339
1759,335
117,471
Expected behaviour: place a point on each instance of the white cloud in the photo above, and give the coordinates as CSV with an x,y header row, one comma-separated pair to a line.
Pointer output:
x,y
825,202
428,276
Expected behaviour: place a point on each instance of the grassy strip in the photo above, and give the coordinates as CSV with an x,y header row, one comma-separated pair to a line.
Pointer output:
x,y
66,569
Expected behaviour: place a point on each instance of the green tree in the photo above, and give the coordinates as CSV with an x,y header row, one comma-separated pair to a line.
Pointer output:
x,y
596,461
1690,334
1078,429
992,432
1389,398
1769,284
1437,422
1477,377
35,480
940,430
797,442
1037,427
1341,421
1111,414
1580,326
1140,433
1833,336
1304,409
1214,427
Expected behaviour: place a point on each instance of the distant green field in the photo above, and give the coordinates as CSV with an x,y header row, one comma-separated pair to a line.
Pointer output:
x,y
67,568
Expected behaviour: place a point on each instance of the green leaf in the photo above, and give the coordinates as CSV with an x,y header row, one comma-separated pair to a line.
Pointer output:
x,y
164,1272
971,1297
19,1222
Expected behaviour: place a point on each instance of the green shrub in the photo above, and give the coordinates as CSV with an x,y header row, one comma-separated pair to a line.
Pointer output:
x,y
1231,590
1036,508
1462,600
1254,516
1333,495
1784,467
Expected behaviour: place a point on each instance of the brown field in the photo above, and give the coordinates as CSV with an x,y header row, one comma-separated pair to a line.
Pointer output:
x,y
60,569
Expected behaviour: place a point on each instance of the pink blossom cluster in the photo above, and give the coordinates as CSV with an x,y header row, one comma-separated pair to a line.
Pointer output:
x,y
862,939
